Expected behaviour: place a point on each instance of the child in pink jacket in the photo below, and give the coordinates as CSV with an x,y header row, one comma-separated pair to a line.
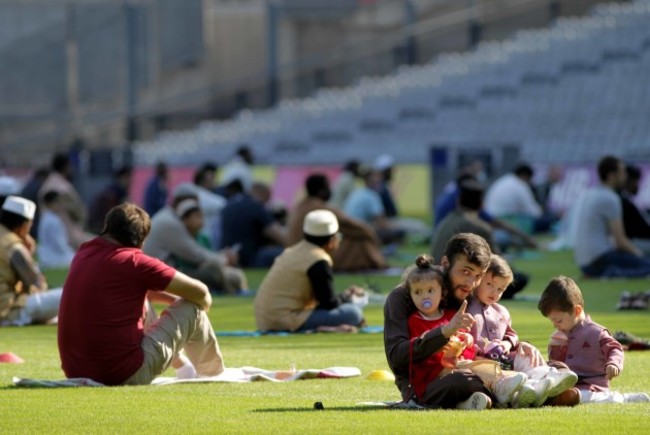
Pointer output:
x,y
496,339
585,346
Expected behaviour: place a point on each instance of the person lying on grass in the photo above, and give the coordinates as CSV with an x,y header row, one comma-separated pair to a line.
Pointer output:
x,y
101,334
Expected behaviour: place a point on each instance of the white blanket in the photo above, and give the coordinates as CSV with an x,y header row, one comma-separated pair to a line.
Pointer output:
x,y
242,374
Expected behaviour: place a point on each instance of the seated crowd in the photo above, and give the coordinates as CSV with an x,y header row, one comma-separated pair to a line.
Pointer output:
x,y
197,242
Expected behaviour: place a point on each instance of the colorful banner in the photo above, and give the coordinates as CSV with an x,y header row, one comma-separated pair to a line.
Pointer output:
x,y
577,179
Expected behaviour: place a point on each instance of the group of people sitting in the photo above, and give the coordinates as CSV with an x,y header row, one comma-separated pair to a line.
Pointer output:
x,y
451,344
448,341
211,231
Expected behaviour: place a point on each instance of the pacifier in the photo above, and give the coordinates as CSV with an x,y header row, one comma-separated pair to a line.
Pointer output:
x,y
426,304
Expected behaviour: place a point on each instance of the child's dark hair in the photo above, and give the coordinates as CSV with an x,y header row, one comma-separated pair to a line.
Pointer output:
x,y
561,294
424,268
499,267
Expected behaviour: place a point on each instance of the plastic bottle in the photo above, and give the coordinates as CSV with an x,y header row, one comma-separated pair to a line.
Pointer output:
x,y
558,345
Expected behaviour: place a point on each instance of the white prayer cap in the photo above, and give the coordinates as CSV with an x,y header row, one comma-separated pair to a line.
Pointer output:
x,y
20,206
185,189
186,206
320,223
383,162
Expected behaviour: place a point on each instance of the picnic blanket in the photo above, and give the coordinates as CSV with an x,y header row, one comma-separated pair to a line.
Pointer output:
x,y
411,405
238,375
250,333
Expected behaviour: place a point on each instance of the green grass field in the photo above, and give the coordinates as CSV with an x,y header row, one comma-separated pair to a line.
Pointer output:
x,y
265,407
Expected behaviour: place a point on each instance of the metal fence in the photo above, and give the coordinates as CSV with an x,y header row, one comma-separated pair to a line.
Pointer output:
x,y
69,65
56,57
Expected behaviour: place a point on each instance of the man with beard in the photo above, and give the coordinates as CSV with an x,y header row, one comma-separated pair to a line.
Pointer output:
x,y
466,258
60,180
602,249
636,221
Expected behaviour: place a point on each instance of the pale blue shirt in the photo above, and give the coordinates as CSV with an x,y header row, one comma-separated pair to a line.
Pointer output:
x,y
364,204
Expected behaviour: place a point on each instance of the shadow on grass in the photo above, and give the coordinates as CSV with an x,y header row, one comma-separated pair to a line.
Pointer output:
x,y
337,408
53,387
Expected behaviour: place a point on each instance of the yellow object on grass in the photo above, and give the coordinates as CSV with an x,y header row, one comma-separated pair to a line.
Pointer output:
x,y
380,375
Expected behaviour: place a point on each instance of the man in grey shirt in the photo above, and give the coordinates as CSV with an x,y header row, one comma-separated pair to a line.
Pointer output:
x,y
169,239
601,247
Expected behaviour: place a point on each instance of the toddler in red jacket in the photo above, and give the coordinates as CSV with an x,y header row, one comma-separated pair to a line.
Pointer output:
x,y
425,283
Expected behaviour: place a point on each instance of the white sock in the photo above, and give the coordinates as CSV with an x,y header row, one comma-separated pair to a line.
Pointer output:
x,y
187,370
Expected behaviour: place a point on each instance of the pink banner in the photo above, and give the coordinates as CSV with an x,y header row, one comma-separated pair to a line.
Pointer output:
x,y
141,177
290,181
577,179
288,184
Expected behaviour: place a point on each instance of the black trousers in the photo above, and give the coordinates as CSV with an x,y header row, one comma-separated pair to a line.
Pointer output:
x,y
446,392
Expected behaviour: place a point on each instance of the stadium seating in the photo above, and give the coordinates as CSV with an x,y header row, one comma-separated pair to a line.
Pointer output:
x,y
568,93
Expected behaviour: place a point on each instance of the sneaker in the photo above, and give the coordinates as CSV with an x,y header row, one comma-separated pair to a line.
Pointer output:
x,y
506,387
560,381
636,397
476,402
533,394
525,397
542,390
570,397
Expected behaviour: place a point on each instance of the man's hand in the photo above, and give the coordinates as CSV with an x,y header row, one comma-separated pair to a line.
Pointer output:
x,y
231,255
611,371
353,294
29,243
461,320
190,289
353,290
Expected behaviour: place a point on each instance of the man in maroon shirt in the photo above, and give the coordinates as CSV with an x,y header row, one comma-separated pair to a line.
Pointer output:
x,y
101,334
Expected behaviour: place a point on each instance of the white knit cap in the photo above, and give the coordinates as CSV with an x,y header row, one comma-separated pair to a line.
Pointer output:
x,y
20,206
186,206
320,223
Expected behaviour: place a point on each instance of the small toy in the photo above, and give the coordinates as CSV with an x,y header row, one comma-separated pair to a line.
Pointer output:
x,y
454,348
494,351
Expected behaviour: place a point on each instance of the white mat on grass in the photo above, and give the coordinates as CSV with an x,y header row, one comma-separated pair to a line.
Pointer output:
x,y
240,375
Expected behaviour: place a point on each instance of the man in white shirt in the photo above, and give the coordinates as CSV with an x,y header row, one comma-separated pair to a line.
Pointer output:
x,y
211,202
512,195
54,249
239,168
